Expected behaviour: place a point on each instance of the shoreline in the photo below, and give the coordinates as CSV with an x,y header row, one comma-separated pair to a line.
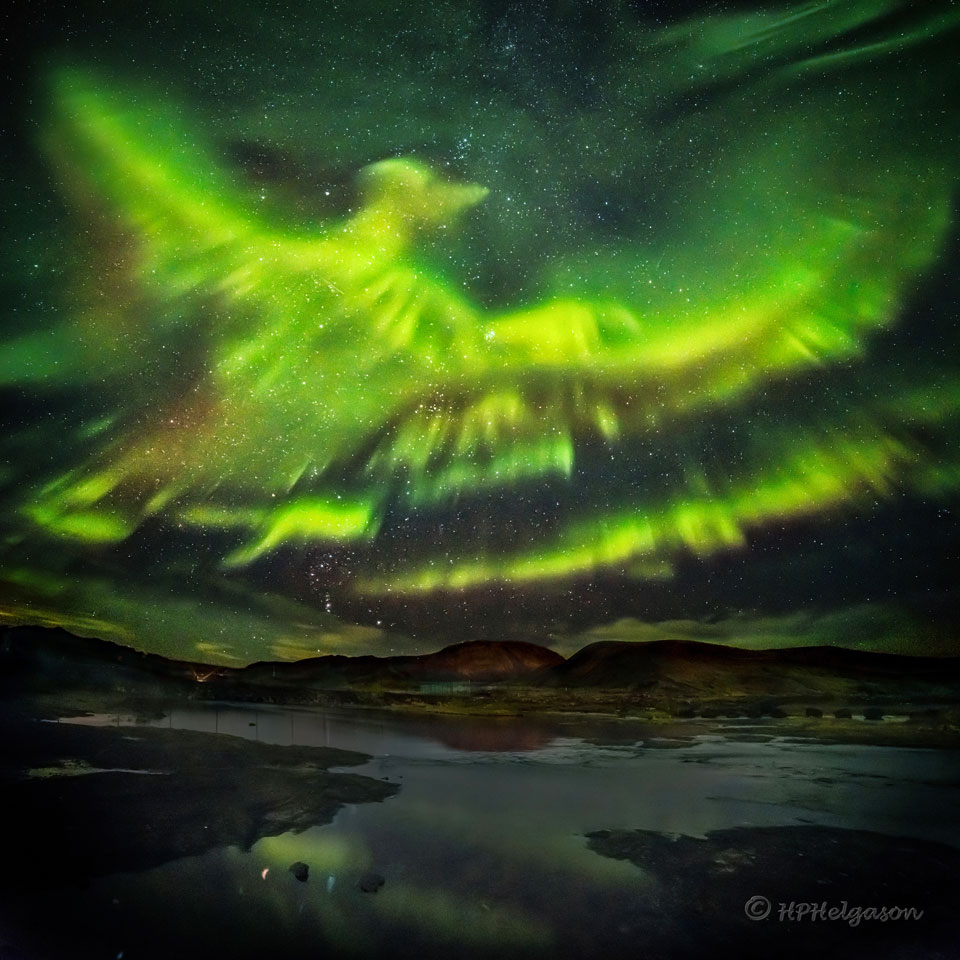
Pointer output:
x,y
927,729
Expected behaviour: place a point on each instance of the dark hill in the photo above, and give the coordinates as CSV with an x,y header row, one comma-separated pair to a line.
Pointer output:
x,y
688,669
39,658
479,660
488,660
670,675
616,663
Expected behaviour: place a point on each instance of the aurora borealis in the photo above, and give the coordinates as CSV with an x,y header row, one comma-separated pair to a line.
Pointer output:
x,y
482,318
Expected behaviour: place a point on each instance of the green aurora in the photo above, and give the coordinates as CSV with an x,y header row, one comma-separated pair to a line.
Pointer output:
x,y
449,369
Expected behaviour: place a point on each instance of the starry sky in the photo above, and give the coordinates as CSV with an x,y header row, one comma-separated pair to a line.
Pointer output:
x,y
343,328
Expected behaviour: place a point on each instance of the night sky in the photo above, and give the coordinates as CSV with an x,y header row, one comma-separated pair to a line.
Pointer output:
x,y
340,328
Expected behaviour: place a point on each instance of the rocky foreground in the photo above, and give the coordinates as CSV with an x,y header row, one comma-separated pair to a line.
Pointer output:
x,y
792,892
84,801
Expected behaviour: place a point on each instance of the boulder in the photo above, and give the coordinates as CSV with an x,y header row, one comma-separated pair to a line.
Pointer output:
x,y
371,882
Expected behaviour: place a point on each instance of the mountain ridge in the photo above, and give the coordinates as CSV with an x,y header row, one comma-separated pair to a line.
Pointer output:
x,y
668,673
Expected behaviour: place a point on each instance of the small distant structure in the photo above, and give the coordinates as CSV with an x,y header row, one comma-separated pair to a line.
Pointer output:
x,y
202,674
446,687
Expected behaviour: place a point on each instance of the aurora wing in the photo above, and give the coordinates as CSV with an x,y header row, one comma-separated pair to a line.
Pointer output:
x,y
793,253
317,339
343,386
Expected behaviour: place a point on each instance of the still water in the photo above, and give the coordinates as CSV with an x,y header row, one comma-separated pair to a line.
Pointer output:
x,y
483,848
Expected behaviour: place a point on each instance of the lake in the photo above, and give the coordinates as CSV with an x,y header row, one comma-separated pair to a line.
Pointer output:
x,y
483,850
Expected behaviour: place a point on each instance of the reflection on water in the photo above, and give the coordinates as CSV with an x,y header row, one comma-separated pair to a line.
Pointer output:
x,y
483,847
365,732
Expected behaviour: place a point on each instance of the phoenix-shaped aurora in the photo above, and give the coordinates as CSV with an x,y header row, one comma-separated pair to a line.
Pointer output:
x,y
264,388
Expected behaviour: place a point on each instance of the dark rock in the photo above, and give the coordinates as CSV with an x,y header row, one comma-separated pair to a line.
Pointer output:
x,y
778,713
873,713
300,870
371,882
813,712
843,714
212,794
706,885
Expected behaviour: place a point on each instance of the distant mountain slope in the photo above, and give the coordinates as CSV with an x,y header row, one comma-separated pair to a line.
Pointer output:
x,y
43,658
478,660
670,675
57,654
50,658
679,668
